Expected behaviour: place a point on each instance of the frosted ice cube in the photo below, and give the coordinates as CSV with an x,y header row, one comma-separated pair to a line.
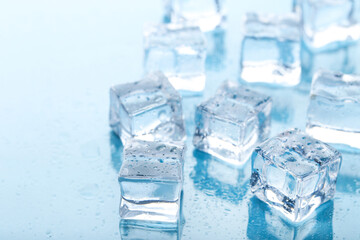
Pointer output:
x,y
207,14
178,51
229,124
270,49
334,109
294,173
151,179
330,22
149,109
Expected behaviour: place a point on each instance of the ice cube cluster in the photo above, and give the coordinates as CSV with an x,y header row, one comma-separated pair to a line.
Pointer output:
x,y
293,172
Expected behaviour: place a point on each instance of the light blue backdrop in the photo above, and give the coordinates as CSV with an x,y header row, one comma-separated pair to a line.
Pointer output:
x,y
59,160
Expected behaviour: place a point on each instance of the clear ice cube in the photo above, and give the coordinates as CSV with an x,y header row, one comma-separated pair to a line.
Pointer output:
x,y
270,49
229,124
150,180
334,109
330,22
207,14
178,51
149,109
294,173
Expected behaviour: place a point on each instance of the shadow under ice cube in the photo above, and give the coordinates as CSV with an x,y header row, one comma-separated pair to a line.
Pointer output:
x,y
334,110
329,22
229,124
149,109
294,173
150,180
270,50
178,51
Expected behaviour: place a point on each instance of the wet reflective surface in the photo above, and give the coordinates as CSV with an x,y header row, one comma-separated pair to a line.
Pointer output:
x,y
59,161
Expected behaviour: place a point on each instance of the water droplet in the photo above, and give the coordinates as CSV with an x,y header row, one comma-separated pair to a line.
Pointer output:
x,y
89,191
162,116
160,147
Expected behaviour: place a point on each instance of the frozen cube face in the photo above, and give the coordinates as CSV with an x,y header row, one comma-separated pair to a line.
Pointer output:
x,y
207,14
151,178
270,51
149,109
330,22
229,124
179,52
294,173
334,109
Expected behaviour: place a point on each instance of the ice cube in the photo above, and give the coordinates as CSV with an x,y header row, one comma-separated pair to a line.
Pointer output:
x,y
149,109
294,173
178,51
330,22
270,49
207,14
151,179
229,124
334,109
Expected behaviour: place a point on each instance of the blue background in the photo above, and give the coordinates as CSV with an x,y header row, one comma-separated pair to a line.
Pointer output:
x,y
59,160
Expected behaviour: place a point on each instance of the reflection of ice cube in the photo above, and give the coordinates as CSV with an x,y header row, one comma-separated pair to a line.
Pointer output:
x,y
150,179
215,48
179,52
229,124
270,51
349,176
334,109
328,22
264,222
342,59
134,232
294,173
116,149
219,179
207,14
149,109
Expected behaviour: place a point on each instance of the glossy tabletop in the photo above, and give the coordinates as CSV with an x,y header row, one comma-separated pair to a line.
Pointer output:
x,y
59,161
